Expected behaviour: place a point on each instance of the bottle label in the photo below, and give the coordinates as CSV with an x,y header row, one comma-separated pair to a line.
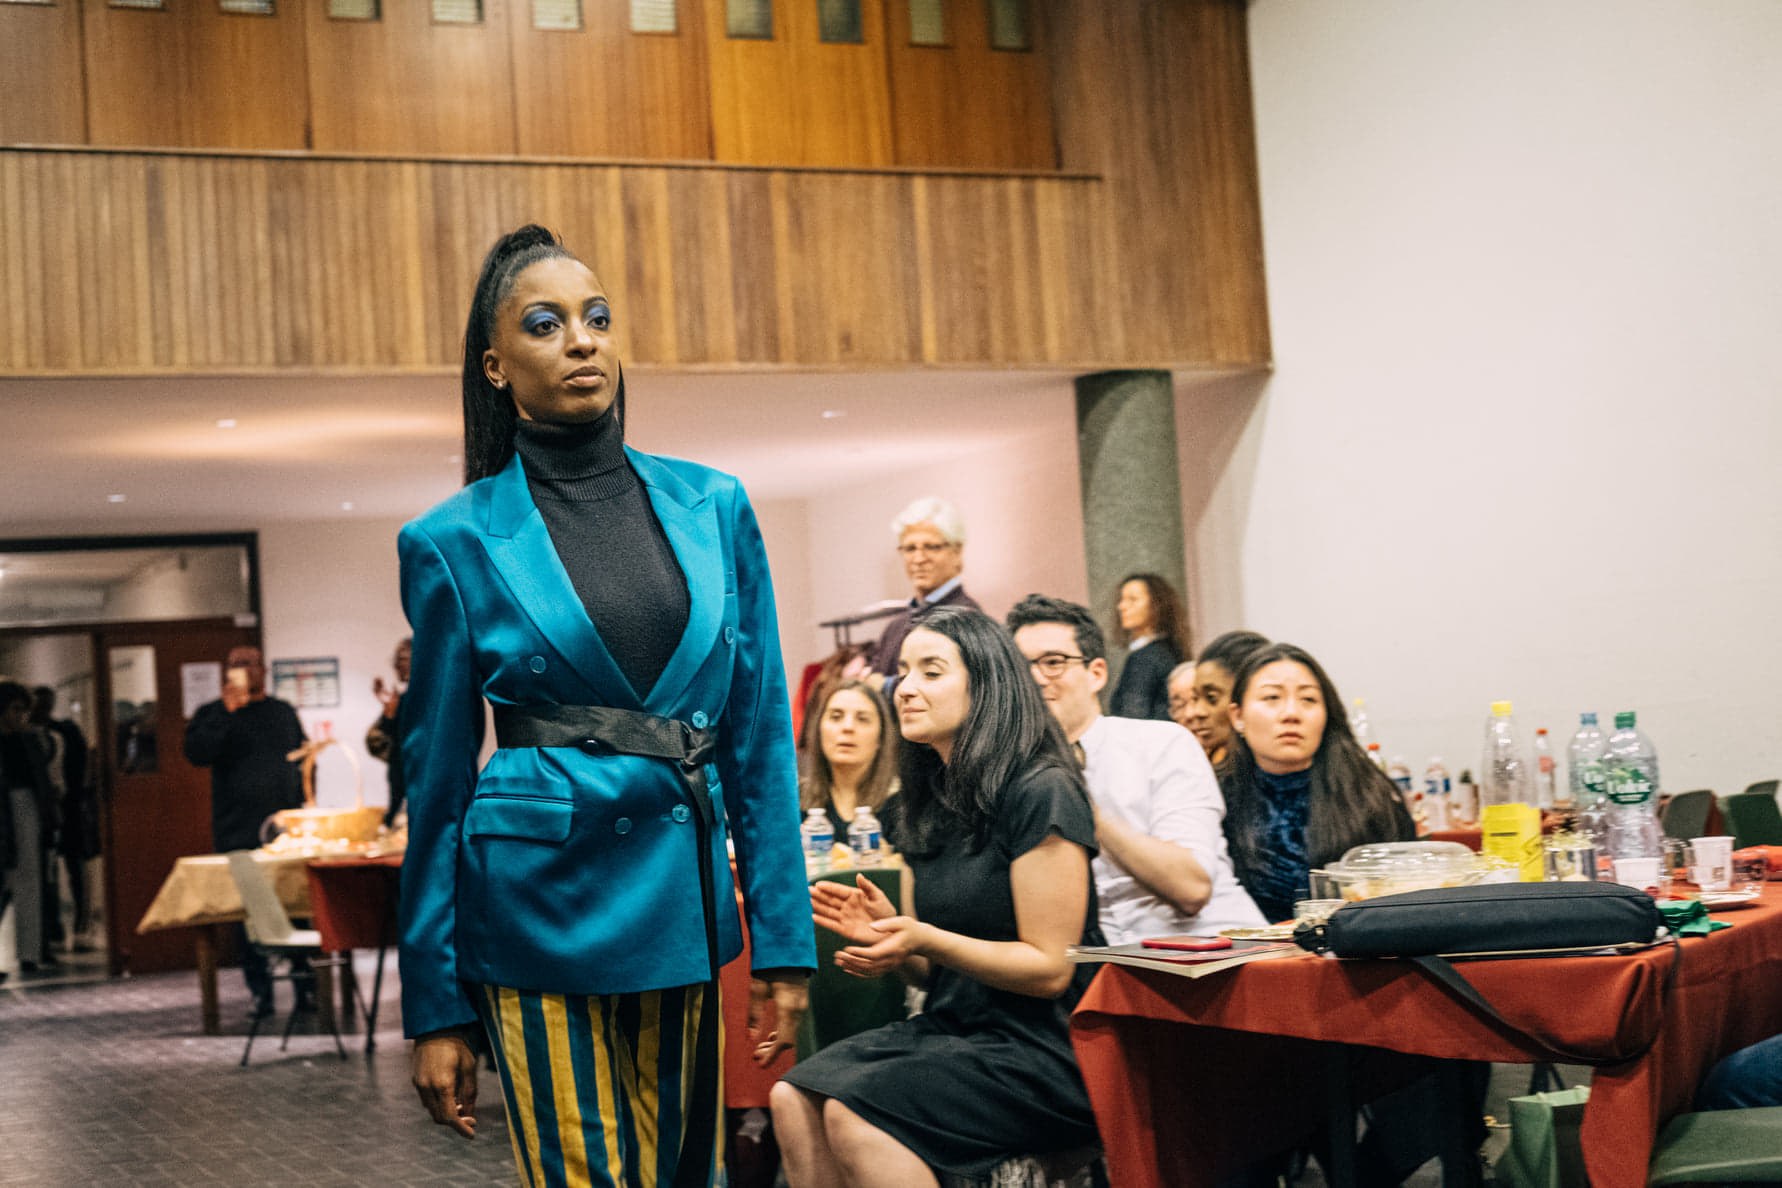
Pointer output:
x,y
1630,788
863,840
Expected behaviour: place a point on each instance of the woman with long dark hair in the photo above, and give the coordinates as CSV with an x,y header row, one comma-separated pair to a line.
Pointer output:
x,y
854,762
999,834
1299,790
572,901
1155,634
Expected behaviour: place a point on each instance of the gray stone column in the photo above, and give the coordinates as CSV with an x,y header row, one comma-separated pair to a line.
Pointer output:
x,y
1132,494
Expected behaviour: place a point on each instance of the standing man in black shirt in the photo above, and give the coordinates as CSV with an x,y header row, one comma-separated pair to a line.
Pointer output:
x,y
244,739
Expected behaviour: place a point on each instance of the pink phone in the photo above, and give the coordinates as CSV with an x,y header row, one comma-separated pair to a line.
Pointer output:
x,y
1187,944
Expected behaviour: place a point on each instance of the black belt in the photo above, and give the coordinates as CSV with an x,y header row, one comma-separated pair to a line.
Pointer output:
x,y
603,729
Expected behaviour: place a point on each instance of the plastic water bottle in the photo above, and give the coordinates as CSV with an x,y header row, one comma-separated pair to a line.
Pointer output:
x,y
1546,772
1436,790
1399,772
1631,773
1504,774
1585,779
819,838
1364,732
864,838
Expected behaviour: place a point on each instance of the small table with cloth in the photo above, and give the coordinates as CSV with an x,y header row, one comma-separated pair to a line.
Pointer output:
x,y
1193,1079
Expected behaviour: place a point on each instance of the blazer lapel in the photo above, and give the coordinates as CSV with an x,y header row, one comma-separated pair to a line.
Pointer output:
x,y
690,521
519,544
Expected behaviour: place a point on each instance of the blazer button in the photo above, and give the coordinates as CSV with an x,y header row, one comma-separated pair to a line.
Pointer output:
x,y
622,826
699,719
538,664
681,813
729,635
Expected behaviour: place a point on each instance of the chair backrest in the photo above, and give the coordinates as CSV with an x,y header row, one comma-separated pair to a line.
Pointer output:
x,y
1767,787
840,1003
1754,819
1685,815
267,923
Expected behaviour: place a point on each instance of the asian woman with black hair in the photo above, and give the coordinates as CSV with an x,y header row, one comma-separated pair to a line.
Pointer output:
x,y
999,834
571,901
1299,790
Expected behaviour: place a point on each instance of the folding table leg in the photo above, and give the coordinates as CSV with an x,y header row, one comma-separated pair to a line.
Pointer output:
x,y
377,988
1339,1117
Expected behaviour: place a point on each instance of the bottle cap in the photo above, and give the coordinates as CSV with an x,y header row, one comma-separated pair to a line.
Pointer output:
x,y
1500,709
1541,730
1587,719
1373,746
1624,720
1361,703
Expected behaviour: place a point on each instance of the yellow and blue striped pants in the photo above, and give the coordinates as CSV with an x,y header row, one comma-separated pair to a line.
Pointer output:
x,y
599,1087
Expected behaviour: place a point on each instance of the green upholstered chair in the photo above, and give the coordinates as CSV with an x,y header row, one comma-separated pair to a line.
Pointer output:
x,y
1720,1147
1685,815
842,1004
1753,818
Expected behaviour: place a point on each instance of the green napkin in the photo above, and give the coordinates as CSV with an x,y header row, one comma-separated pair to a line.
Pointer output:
x,y
1689,917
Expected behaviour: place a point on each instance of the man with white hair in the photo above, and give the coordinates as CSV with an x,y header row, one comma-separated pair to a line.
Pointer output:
x,y
930,537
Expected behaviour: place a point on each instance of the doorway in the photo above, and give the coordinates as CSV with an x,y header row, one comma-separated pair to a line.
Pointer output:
x,y
128,636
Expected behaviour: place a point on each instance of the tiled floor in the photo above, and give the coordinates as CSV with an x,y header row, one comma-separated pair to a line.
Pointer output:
x,y
112,1084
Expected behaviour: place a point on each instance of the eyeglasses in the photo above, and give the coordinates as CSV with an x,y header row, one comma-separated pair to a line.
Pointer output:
x,y
927,550
1053,664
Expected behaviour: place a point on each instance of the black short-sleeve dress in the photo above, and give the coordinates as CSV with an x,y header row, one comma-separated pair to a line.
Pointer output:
x,y
982,1074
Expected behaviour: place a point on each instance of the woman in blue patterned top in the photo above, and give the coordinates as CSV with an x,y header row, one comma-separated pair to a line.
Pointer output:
x,y
1299,789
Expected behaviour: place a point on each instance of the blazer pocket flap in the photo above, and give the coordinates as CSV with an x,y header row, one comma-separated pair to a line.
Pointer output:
x,y
533,820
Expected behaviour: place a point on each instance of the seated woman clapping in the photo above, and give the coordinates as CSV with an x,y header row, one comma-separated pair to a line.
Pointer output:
x,y
999,834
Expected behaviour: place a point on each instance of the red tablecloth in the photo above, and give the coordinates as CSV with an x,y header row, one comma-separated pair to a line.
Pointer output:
x,y
352,901
1192,1079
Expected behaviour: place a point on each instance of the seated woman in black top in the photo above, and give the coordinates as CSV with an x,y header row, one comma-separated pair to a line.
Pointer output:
x,y
1299,789
999,834
1152,628
854,762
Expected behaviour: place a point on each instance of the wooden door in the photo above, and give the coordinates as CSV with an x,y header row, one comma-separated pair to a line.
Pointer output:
x,y
157,805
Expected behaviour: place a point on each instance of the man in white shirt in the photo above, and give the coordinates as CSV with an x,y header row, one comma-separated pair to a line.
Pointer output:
x,y
1163,867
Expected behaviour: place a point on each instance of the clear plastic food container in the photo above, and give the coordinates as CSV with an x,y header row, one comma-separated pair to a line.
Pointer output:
x,y
1388,868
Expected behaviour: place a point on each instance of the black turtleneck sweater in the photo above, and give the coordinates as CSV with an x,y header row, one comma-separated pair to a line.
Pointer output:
x,y
607,535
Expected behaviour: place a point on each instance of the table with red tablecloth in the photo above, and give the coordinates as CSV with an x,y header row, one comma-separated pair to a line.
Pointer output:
x,y
1193,1078
352,902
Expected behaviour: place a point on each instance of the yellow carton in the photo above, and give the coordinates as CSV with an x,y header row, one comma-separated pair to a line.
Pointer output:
x,y
1513,832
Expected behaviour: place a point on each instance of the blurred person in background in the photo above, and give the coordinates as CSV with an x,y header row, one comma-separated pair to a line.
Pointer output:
x,y
1299,790
1155,635
384,739
78,836
930,536
1200,693
854,764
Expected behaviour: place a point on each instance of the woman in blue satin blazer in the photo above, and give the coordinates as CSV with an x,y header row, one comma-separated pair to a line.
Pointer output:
x,y
563,879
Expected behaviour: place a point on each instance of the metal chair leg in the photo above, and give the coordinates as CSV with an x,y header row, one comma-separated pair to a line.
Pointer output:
x,y
253,1030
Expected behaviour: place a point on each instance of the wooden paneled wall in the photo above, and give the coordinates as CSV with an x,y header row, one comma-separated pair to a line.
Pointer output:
x,y
1148,255
193,75
794,100
43,95
608,92
1155,97
404,84
968,104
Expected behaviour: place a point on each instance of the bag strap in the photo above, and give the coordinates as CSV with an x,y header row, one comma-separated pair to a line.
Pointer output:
x,y
1452,980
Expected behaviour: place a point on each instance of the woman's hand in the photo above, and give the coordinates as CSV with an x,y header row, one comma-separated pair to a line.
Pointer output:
x,y
850,912
790,1001
896,939
445,1077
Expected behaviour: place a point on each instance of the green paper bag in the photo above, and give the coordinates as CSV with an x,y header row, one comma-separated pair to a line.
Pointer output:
x,y
1544,1149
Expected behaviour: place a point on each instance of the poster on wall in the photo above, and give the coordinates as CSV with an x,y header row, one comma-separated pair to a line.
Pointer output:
x,y
307,684
199,684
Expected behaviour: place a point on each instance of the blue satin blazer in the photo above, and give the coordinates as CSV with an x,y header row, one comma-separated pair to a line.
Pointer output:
x,y
557,870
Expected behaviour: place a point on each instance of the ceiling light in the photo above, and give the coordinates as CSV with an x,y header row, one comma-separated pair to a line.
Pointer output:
x,y
346,505
830,414
454,459
226,423
115,498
